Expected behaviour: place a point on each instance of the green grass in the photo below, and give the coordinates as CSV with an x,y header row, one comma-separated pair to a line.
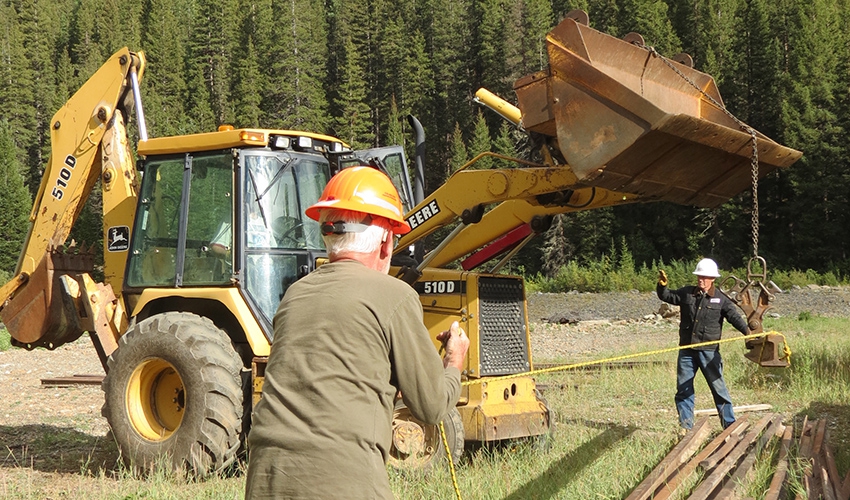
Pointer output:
x,y
5,340
613,427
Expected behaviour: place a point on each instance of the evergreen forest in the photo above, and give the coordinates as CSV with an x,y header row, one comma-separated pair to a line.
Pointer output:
x,y
356,68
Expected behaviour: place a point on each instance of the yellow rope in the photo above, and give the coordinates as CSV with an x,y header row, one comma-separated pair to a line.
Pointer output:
x,y
451,462
786,350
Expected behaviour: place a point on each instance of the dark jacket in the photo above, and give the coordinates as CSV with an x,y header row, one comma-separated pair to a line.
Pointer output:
x,y
702,314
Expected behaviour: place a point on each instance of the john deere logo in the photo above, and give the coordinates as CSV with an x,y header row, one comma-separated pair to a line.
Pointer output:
x,y
118,238
423,214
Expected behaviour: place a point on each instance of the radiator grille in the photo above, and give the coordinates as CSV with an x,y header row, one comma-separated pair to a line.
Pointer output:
x,y
501,321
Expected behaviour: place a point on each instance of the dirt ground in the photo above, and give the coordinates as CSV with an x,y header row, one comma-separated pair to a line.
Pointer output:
x,y
55,434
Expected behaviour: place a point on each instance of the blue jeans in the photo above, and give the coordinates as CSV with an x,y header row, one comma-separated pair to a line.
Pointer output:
x,y
711,366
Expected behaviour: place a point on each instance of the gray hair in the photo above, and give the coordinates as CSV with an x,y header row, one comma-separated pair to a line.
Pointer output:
x,y
366,242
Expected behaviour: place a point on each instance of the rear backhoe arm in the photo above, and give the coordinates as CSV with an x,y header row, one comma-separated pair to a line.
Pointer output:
x,y
524,216
491,203
467,189
51,300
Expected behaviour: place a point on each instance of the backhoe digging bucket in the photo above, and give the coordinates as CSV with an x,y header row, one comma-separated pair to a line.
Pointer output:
x,y
626,120
768,351
42,314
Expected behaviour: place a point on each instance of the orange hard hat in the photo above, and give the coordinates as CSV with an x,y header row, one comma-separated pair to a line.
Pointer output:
x,y
366,190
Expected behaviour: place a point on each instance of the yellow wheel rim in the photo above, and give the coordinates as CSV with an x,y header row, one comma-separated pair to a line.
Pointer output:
x,y
155,399
414,443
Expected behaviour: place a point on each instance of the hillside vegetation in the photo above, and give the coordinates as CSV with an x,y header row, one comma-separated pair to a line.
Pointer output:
x,y
355,68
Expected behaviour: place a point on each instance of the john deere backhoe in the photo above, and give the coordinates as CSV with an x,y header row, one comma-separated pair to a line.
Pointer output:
x,y
202,236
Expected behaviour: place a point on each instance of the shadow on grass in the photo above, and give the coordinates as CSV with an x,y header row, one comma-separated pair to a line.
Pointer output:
x,y
47,448
560,473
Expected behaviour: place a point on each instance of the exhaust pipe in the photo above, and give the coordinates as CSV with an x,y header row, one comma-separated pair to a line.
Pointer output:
x,y
419,160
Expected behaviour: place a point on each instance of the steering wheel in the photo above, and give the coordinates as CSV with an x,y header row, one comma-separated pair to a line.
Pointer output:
x,y
285,229
290,234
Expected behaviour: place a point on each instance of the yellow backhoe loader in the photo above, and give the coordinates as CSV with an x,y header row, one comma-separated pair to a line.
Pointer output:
x,y
204,233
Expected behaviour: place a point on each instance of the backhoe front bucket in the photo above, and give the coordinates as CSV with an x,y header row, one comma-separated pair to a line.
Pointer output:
x,y
768,351
41,314
625,120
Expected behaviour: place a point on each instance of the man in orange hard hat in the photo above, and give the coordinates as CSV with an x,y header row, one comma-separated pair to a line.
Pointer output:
x,y
348,338
703,309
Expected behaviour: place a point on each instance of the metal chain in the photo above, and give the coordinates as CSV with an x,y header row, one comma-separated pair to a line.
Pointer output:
x,y
754,158
755,170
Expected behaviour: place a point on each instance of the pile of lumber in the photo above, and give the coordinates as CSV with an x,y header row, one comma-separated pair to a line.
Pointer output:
x,y
726,461
820,475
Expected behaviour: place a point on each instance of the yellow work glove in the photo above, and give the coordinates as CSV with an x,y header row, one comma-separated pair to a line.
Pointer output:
x,y
662,277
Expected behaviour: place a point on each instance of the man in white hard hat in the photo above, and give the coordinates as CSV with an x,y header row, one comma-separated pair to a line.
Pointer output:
x,y
703,309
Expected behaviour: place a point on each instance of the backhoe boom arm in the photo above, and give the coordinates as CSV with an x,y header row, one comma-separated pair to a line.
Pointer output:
x,y
88,142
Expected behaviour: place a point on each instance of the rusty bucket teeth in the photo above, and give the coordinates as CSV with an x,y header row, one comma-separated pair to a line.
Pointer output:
x,y
72,259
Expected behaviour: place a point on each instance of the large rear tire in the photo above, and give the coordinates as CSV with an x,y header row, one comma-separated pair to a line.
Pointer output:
x,y
173,395
417,446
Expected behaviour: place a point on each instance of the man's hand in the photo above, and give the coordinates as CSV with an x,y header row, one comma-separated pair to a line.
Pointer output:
x,y
456,344
662,277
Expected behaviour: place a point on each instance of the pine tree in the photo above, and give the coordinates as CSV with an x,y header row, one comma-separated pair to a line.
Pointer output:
x,y
560,8
505,145
85,47
14,204
401,67
391,61
480,142
16,93
810,122
591,232
649,18
491,46
537,20
352,124
200,117
557,249
707,30
448,34
247,87
210,57
394,131
605,17
165,87
459,154
292,39
418,81
514,51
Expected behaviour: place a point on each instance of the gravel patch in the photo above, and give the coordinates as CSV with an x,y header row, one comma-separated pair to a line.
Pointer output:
x,y
579,326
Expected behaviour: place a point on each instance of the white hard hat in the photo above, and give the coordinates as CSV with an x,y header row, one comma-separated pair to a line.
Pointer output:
x,y
707,267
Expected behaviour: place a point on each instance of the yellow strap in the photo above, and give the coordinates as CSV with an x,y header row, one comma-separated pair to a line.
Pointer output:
x,y
451,462
786,349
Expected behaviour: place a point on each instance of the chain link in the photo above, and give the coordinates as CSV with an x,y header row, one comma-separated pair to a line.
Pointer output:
x,y
754,158
755,170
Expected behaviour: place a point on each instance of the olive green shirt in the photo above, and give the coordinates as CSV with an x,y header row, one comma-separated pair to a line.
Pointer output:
x,y
347,339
